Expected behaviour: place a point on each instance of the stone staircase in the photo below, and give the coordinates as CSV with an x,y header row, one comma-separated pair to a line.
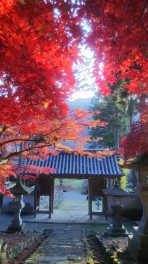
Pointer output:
x,y
63,246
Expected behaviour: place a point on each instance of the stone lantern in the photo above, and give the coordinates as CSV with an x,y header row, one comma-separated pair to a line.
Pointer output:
x,y
116,228
18,190
138,243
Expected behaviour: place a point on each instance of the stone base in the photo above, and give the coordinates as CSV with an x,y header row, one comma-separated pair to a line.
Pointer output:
x,y
20,229
138,245
112,231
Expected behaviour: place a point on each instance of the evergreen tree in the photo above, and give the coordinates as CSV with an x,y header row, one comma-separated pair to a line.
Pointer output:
x,y
117,109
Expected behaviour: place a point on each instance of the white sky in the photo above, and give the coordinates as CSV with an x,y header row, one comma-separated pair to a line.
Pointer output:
x,y
82,94
84,76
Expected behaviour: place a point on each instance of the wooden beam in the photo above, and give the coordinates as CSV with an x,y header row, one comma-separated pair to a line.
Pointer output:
x,y
90,197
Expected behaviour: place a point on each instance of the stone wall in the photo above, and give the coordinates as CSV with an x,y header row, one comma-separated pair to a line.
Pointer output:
x,y
58,197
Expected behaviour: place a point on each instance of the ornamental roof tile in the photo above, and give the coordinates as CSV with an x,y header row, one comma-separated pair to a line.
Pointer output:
x,y
73,165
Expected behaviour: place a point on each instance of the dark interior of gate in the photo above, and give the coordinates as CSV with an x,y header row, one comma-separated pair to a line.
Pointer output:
x,y
100,174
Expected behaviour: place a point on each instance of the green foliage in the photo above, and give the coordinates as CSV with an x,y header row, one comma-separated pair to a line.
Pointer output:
x,y
124,178
117,109
123,182
117,118
131,180
70,184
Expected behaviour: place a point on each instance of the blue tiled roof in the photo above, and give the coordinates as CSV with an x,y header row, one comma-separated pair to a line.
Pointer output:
x,y
72,164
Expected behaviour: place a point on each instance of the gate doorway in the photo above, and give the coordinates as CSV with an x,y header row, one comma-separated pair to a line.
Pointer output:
x,y
97,171
69,197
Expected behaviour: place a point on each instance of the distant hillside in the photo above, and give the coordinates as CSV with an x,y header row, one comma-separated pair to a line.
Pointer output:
x,y
81,103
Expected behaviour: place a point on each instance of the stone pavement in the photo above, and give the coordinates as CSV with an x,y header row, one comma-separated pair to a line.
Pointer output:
x,y
66,244
70,227
74,209
67,217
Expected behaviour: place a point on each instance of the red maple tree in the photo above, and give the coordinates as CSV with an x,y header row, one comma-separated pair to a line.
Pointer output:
x,y
135,143
39,137
38,48
40,40
119,38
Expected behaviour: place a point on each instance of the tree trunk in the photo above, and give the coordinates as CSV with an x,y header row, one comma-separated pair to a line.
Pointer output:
x,y
117,139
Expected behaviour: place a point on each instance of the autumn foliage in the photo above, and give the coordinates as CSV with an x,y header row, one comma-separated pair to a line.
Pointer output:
x,y
135,144
38,138
37,52
39,42
119,39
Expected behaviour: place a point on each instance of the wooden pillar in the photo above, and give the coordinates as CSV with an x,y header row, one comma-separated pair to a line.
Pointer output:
x,y
1,202
35,198
50,198
90,197
52,194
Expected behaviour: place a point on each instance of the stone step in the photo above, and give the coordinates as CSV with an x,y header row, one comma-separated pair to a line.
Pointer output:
x,y
59,260
64,246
